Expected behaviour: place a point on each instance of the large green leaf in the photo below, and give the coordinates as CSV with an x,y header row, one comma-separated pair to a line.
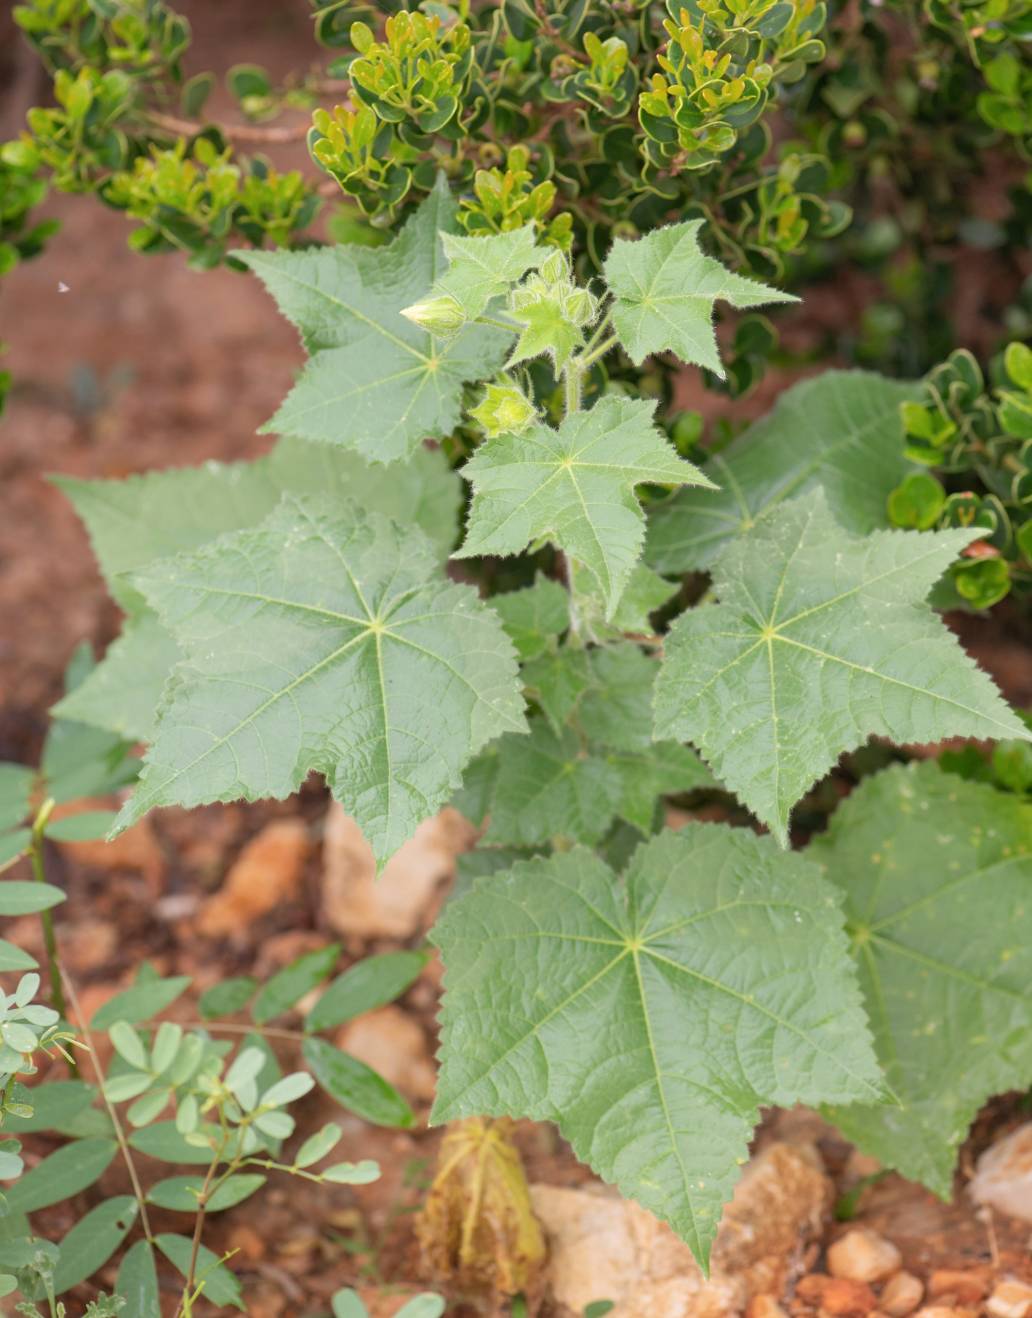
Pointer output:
x,y
841,430
93,1239
650,1019
61,1174
481,269
936,877
324,640
574,486
138,1281
220,1287
664,287
820,640
375,383
134,521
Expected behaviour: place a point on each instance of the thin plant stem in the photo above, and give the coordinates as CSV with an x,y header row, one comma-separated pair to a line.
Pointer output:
x,y
591,357
112,1112
572,376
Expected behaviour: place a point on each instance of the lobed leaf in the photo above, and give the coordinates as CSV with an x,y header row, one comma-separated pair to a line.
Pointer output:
x,y
650,1019
934,874
664,287
840,431
574,486
375,383
820,640
321,640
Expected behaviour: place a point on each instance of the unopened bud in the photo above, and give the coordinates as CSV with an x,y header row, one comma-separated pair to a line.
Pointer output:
x,y
439,315
504,410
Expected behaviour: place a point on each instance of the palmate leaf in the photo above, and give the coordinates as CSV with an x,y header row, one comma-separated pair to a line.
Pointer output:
x,y
134,521
664,287
841,431
935,875
820,640
324,640
483,268
650,1019
376,383
575,487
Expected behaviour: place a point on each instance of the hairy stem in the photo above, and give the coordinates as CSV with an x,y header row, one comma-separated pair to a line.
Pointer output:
x,y
46,919
573,377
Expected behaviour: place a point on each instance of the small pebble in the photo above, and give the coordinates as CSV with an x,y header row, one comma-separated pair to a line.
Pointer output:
x,y
838,1297
764,1306
901,1295
1010,1299
863,1255
964,1286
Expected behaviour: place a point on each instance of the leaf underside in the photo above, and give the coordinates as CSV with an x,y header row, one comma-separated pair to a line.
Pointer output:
x,y
820,640
936,877
324,640
651,1018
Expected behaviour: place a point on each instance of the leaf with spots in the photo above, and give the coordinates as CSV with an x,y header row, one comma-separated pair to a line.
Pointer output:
x,y
841,431
574,486
664,287
820,640
936,880
376,382
652,1017
324,640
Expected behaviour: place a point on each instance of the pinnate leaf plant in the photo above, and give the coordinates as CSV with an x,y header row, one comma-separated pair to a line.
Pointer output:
x,y
648,990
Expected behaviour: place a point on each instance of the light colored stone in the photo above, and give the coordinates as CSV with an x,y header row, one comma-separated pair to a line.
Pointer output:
x,y
944,1311
266,874
1010,1299
392,1043
901,1295
602,1247
401,901
1003,1175
863,1255
764,1306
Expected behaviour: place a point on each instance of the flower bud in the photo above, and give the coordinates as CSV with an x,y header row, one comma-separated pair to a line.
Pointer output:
x,y
439,315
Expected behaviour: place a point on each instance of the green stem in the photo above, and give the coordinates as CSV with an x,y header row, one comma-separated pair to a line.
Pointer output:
x,y
57,997
510,326
572,376
590,358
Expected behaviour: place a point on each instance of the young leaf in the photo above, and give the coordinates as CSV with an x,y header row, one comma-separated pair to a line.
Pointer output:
x,y
294,981
92,1241
220,1286
820,640
662,769
138,1281
841,430
664,288
356,1086
483,268
61,1174
534,615
322,640
376,383
574,486
180,1193
548,787
658,1014
934,873
363,987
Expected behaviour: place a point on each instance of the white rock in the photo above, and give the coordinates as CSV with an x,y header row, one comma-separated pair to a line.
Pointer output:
x,y
1003,1175
901,1295
602,1247
1010,1299
863,1255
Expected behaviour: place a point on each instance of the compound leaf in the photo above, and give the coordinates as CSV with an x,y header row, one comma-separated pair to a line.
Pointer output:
x,y
574,486
664,287
934,873
375,383
820,640
841,430
651,1019
322,640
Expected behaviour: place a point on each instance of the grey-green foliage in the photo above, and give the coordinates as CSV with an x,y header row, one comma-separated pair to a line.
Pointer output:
x,y
936,880
629,1014
323,640
820,640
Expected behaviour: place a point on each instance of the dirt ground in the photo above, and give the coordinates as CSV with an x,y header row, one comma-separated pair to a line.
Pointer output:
x,y
121,364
